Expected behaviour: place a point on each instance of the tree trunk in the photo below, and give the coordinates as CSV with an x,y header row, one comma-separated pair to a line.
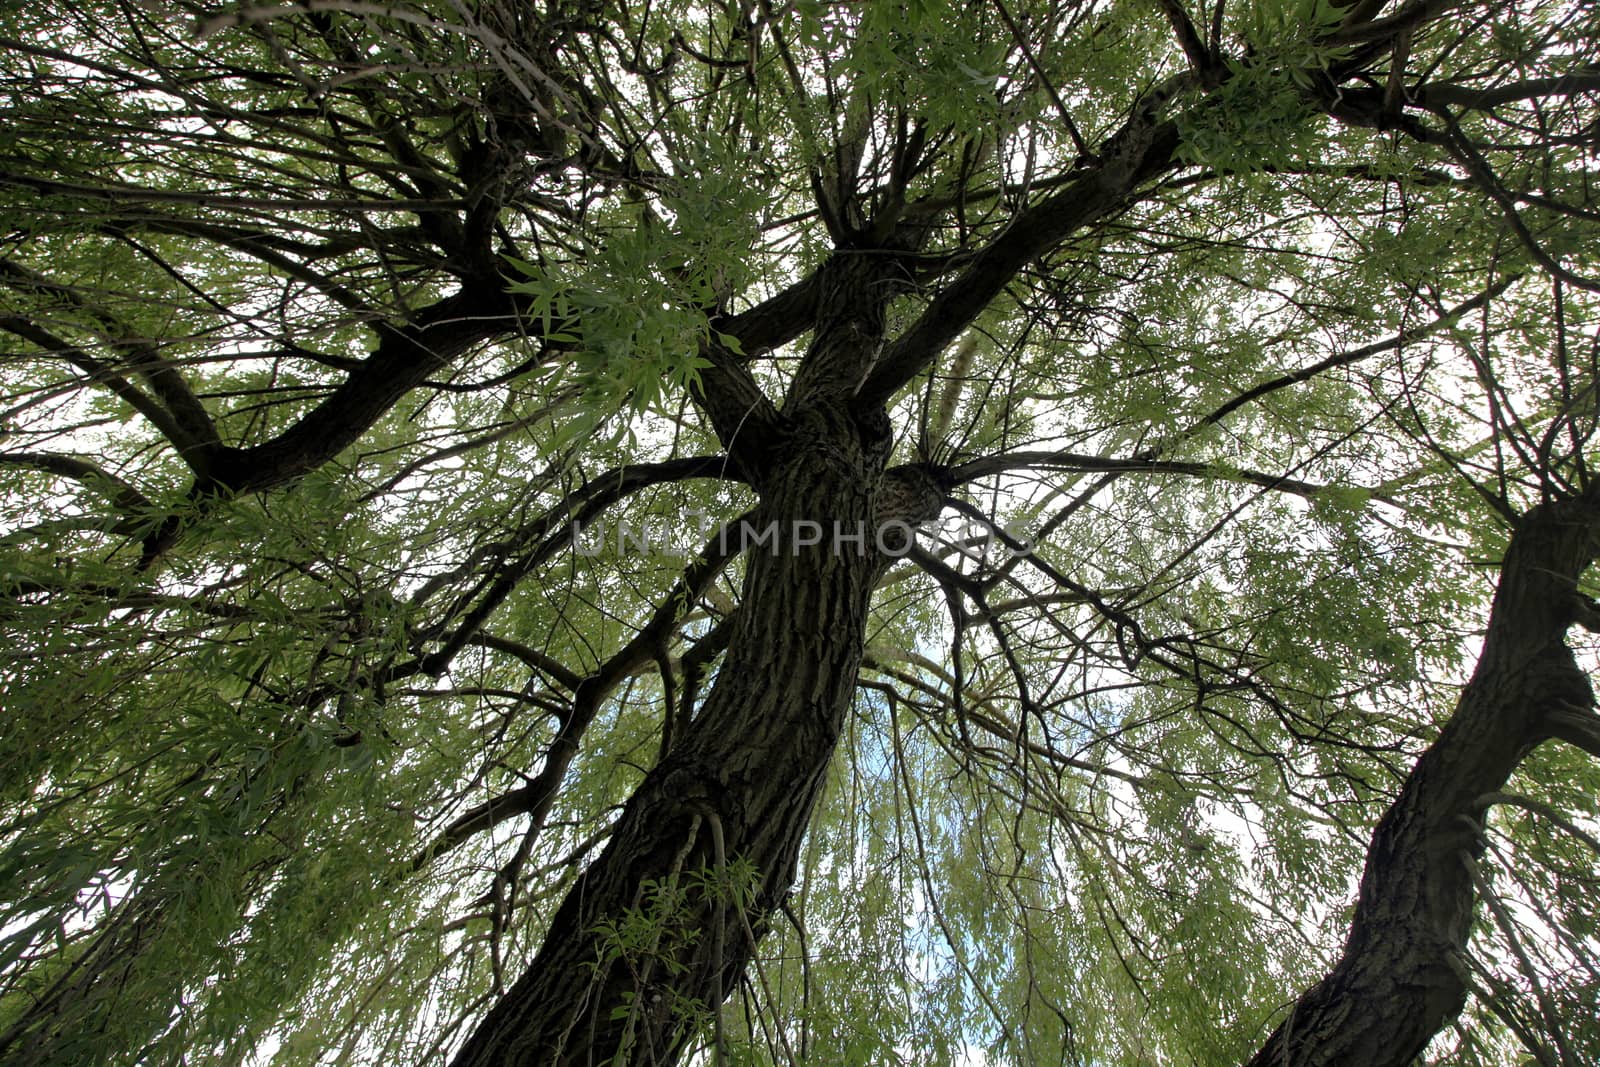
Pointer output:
x,y
748,769
739,786
1400,978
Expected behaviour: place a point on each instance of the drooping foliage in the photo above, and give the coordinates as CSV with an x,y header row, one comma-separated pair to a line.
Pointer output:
x,y
378,385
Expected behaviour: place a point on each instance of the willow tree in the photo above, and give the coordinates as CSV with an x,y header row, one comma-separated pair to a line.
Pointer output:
x,y
1007,531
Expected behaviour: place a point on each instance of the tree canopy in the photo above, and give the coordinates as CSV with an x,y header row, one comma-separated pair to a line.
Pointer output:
x,y
821,531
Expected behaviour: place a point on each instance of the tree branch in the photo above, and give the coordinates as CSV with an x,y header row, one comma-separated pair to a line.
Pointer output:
x,y
195,453
1443,94
1577,727
123,495
535,798
1074,461
1143,148
1356,355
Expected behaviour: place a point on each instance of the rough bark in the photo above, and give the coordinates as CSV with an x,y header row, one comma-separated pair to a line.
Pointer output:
x,y
740,784
1400,977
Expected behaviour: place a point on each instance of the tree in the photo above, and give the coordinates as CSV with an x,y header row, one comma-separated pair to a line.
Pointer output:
x,y
833,532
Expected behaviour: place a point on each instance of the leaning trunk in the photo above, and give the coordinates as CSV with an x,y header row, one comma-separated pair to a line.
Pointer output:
x,y
1401,976
736,791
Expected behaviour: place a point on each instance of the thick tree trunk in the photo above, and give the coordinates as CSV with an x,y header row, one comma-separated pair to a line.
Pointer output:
x,y
739,786
1399,980
747,770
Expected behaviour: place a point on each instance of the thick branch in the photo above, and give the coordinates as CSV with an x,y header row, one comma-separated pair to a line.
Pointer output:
x,y
1199,56
532,657
1142,149
775,321
123,495
194,453
404,357
1577,726
1469,98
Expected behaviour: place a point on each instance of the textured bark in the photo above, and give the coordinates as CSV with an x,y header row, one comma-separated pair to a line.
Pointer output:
x,y
742,781
1399,980
752,760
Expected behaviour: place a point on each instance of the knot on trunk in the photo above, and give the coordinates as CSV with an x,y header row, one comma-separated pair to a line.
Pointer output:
x,y
912,494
